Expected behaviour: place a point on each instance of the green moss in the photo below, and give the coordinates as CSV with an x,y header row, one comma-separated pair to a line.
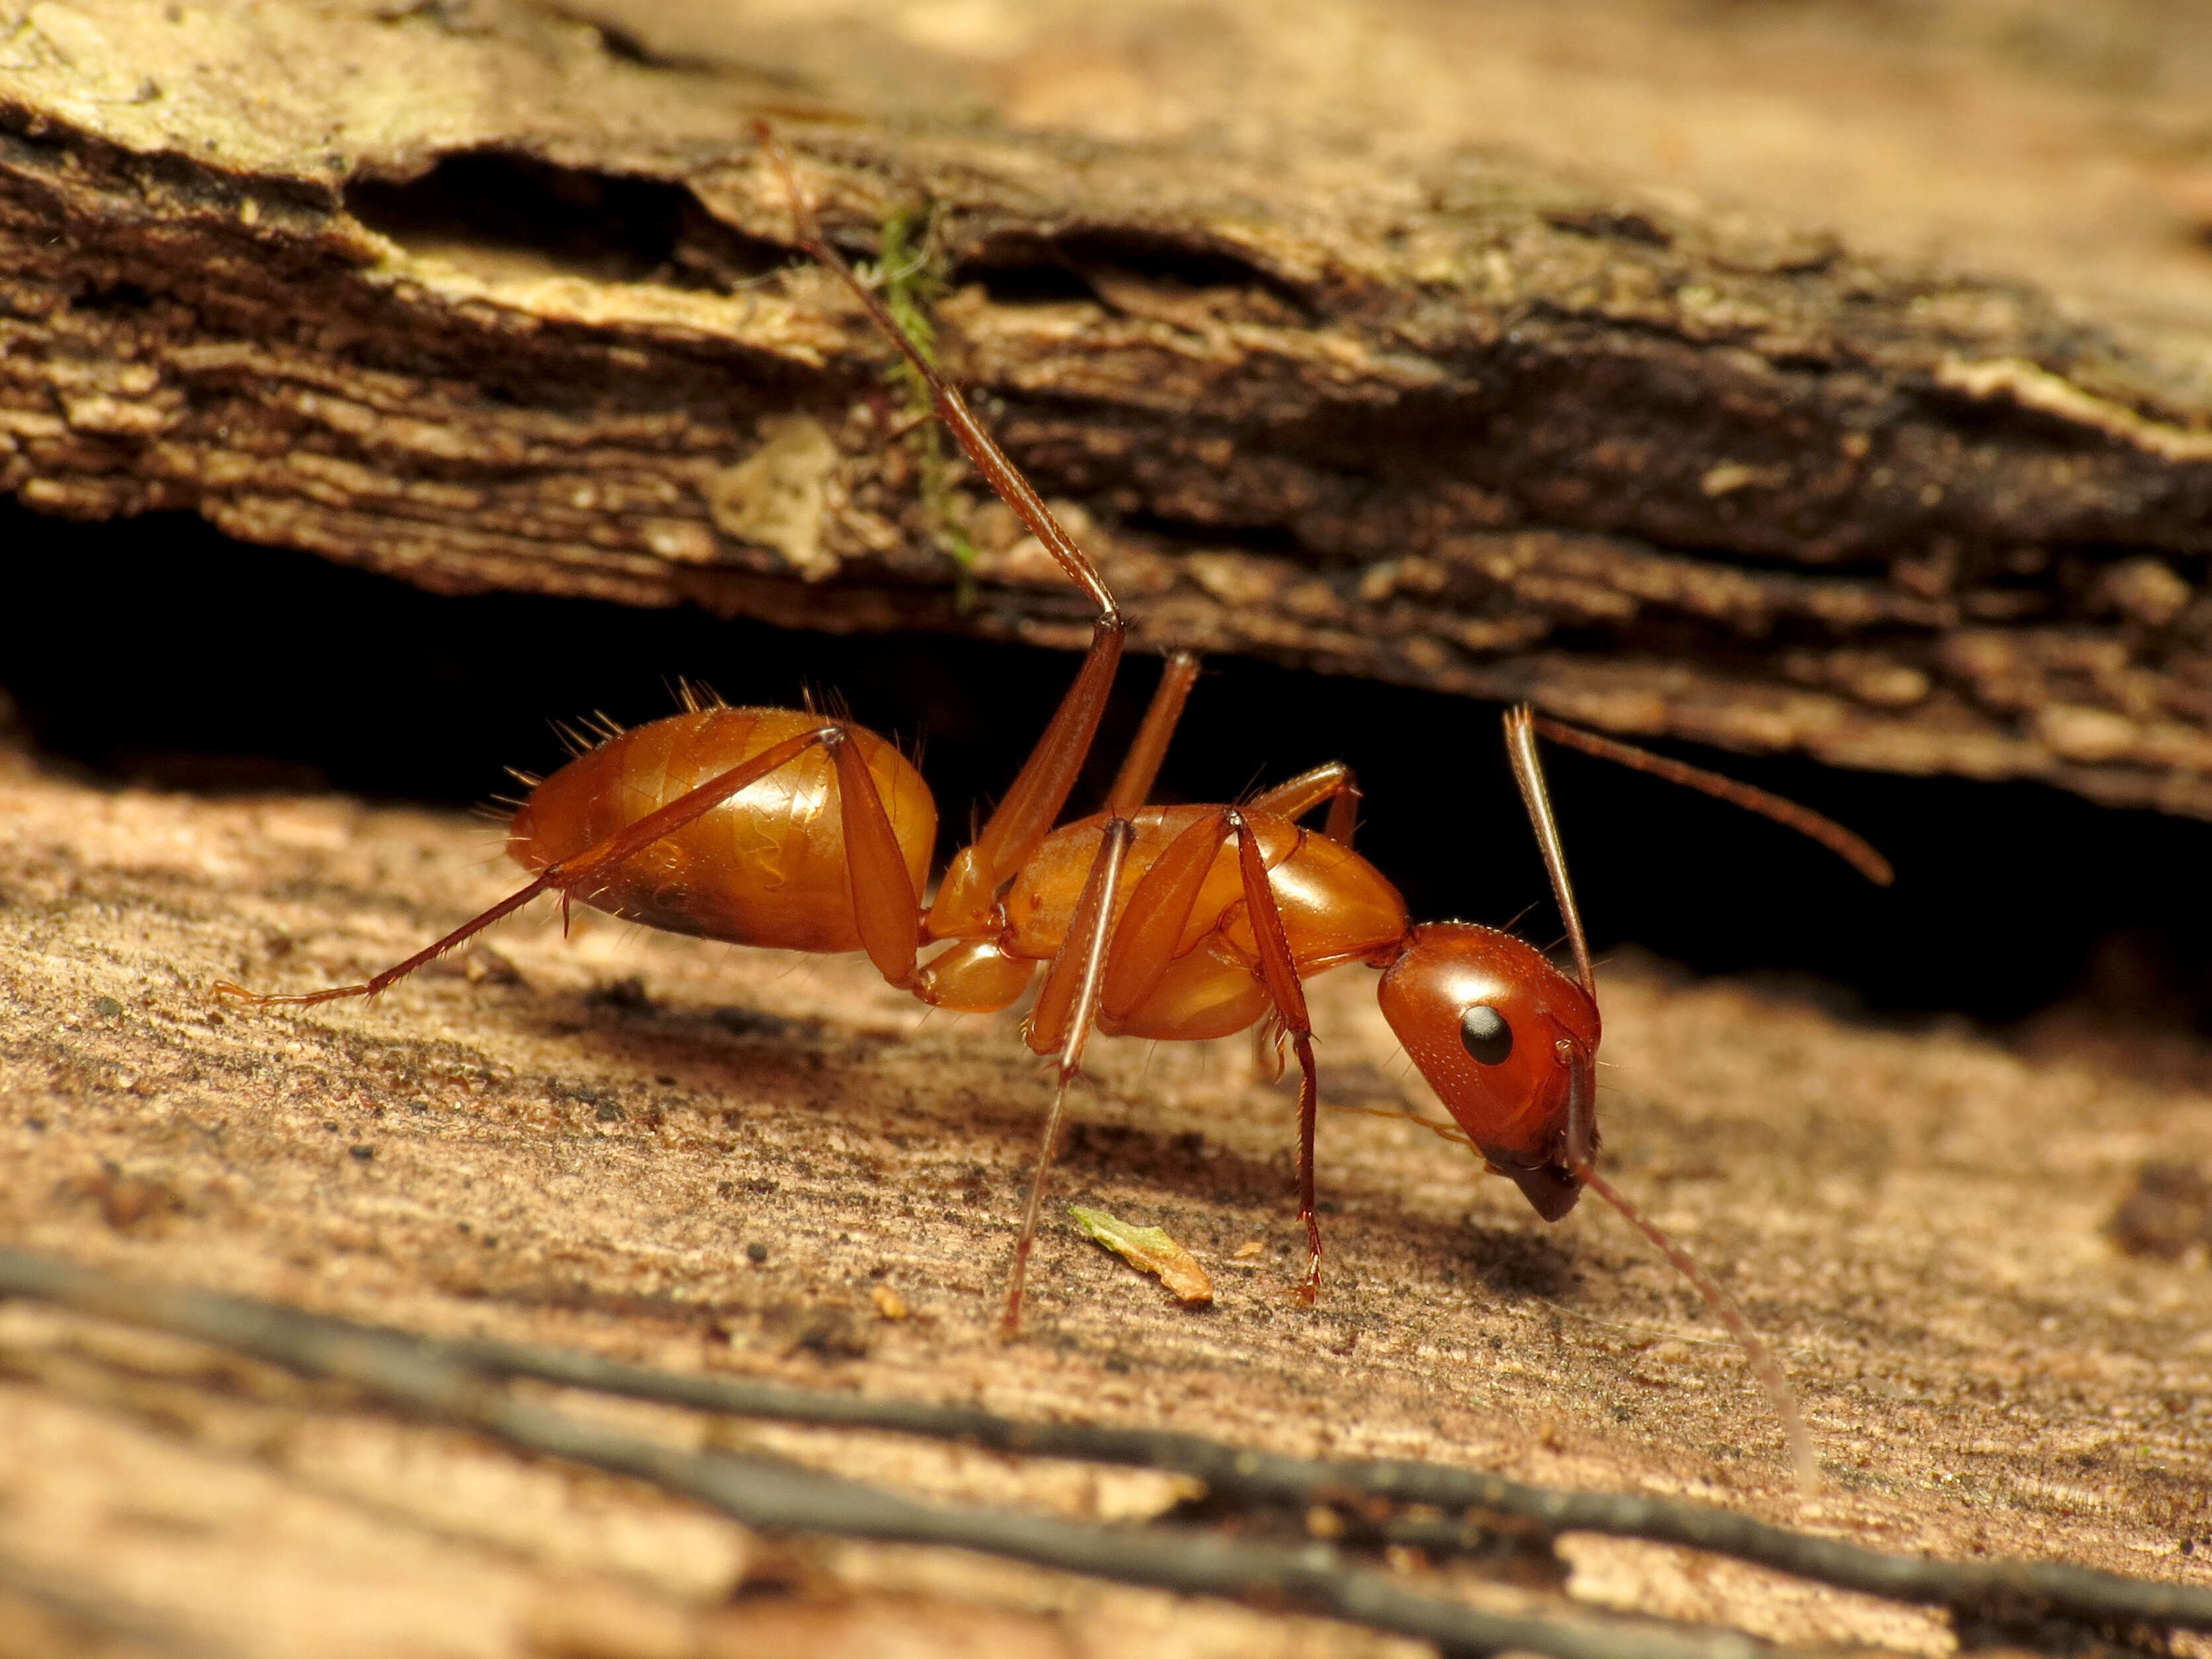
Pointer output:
x,y
912,281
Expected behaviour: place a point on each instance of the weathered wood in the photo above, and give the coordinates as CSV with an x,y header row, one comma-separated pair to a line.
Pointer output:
x,y
664,1149
1463,425
1451,421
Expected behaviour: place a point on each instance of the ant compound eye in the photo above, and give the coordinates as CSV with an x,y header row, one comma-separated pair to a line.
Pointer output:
x,y
1486,1034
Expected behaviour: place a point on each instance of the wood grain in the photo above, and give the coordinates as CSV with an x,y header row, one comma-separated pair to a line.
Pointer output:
x,y
698,1157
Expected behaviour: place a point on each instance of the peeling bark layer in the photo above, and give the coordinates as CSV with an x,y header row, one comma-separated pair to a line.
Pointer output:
x,y
497,306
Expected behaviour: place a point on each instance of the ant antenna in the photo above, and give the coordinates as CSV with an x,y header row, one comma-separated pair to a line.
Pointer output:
x,y
1763,1362
1854,849
1528,772
1522,725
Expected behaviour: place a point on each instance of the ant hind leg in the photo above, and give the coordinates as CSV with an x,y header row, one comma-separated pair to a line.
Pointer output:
x,y
1029,809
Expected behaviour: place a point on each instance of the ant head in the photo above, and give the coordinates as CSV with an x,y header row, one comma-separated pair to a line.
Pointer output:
x,y
1509,1043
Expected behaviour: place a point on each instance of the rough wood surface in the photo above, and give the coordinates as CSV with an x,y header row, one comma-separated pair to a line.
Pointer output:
x,y
1396,408
1332,380
698,1157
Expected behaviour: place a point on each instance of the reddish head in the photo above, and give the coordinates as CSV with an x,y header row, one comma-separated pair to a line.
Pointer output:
x,y
1509,1043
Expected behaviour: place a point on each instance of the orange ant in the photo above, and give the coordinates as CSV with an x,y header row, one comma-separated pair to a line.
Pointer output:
x,y
804,831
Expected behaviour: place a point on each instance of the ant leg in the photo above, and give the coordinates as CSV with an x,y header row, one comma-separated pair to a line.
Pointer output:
x,y
1027,811
975,975
1343,819
886,910
984,454
1133,785
1152,926
1333,783
1152,923
1065,1006
1279,970
467,930
565,876
969,890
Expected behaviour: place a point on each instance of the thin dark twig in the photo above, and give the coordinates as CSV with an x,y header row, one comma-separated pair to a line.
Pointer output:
x,y
434,1381
96,1608
1237,1472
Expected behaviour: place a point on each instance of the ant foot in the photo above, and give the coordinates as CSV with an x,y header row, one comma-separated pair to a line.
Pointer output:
x,y
1010,1317
223,988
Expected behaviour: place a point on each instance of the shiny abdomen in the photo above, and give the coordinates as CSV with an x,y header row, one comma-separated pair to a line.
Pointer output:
x,y
765,867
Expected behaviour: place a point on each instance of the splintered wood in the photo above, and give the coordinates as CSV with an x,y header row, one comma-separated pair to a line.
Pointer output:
x,y
506,307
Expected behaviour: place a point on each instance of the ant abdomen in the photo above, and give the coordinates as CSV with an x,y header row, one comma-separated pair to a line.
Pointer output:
x,y
767,867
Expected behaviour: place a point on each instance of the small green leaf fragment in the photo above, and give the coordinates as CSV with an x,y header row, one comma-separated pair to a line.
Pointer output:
x,y
1151,1249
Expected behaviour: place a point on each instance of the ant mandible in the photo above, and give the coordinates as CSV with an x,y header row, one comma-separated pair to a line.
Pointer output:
x,y
806,832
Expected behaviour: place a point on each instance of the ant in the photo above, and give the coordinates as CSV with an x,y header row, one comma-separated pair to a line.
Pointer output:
x,y
804,831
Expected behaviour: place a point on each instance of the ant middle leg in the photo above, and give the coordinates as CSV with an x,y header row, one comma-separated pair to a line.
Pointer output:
x,y
1066,1005
1333,782
1140,766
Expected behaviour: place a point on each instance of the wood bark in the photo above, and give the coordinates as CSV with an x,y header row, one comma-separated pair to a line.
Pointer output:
x,y
494,299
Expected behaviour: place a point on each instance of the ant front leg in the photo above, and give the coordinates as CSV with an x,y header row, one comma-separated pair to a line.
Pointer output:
x,y
1279,970
1150,927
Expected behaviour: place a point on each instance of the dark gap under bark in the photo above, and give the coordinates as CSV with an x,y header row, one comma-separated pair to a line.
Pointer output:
x,y
292,673
497,205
